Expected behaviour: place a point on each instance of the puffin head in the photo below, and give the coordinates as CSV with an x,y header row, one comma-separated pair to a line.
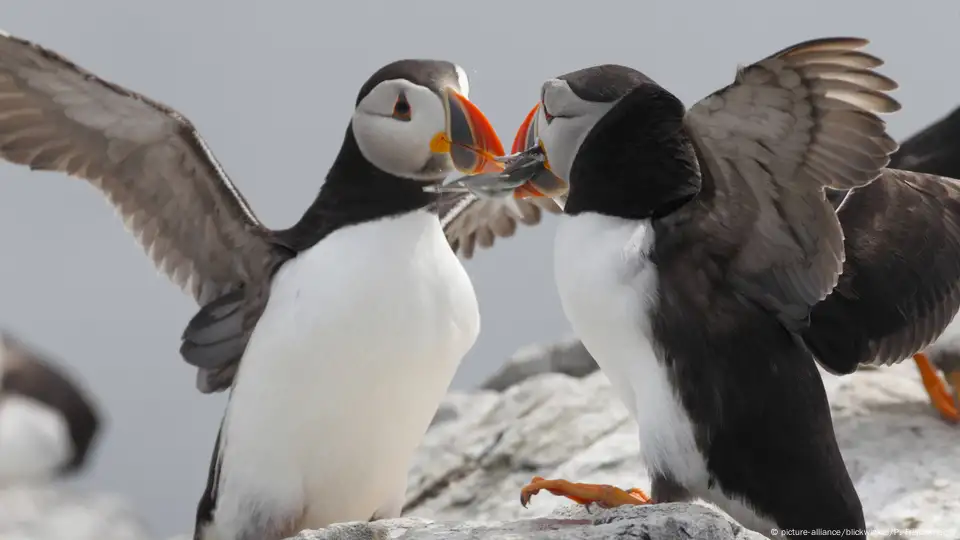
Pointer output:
x,y
582,126
413,120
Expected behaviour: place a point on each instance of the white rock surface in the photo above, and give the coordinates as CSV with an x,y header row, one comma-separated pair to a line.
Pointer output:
x,y
903,458
661,522
567,356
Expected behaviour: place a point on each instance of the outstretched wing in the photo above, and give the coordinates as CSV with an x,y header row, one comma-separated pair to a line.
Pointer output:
x,y
932,151
900,286
797,122
153,167
469,221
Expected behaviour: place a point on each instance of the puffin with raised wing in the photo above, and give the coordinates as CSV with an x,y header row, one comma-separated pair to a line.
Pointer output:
x,y
934,150
703,267
337,337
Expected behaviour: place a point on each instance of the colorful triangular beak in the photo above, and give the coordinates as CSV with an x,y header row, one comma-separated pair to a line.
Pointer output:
x,y
469,137
542,183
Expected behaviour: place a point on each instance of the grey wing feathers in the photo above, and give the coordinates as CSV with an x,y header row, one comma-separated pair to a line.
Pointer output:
x,y
147,160
469,221
799,121
900,286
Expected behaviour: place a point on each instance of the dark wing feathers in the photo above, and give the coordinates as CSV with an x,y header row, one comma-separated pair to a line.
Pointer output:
x,y
149,162
469,221
900,286
789,126
901,302
214,335
935,150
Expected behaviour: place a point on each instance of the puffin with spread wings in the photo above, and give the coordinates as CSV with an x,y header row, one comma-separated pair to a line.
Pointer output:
x,y
704,268
337,337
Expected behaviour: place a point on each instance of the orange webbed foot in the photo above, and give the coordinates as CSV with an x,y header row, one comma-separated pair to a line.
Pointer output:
x,y
604,496
941,398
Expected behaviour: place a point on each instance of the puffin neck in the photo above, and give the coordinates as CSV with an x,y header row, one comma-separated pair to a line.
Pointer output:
x,y
355,191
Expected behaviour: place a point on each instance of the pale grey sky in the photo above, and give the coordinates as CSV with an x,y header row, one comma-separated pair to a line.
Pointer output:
x,y
271,86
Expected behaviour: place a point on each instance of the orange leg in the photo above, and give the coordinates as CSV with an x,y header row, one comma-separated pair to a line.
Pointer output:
x,y
954,379
603,495
940,397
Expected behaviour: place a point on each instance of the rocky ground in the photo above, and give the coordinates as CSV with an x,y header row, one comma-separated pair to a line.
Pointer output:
x,y
485,445
531,420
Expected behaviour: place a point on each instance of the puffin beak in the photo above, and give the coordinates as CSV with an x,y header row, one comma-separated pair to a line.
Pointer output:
x,y
526,136
524,173
526,146
468,137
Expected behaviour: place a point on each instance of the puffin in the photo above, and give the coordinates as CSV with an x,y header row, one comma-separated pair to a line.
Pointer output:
x,y
932,150
49,423
337,337
704,267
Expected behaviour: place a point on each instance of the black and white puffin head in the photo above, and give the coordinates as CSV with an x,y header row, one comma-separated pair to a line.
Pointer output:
x,y
48,425
587,131
413,120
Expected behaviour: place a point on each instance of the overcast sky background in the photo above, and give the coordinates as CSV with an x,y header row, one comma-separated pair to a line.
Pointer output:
x,y
270,86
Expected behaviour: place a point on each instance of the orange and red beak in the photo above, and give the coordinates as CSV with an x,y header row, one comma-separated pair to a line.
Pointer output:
x,y
526,136
525,139
543,183
475,148
469,138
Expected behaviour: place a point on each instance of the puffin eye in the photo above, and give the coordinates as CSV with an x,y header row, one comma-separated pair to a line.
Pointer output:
x,y
546,115
401,109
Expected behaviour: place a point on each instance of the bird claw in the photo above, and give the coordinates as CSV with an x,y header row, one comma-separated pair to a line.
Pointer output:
x,y
604,496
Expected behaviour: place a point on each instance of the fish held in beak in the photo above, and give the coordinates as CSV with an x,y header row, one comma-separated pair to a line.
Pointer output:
x,y
526,171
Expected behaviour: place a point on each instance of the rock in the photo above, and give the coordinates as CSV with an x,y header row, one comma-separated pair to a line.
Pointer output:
x,y
471,468
51,512
459,405
567,356
660,522
902,456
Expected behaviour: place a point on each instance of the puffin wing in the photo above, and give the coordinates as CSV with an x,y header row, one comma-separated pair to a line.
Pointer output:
x,y
933,150
27,373
790,125
155,169
469,221
900,285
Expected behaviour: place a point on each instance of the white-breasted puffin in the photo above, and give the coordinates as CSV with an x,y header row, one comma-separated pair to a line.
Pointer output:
x,y
703,267
337,337
48,422
933,150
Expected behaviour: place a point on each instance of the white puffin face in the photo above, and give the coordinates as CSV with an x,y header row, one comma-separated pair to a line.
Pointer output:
x,y
424,131
394,125
563,121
